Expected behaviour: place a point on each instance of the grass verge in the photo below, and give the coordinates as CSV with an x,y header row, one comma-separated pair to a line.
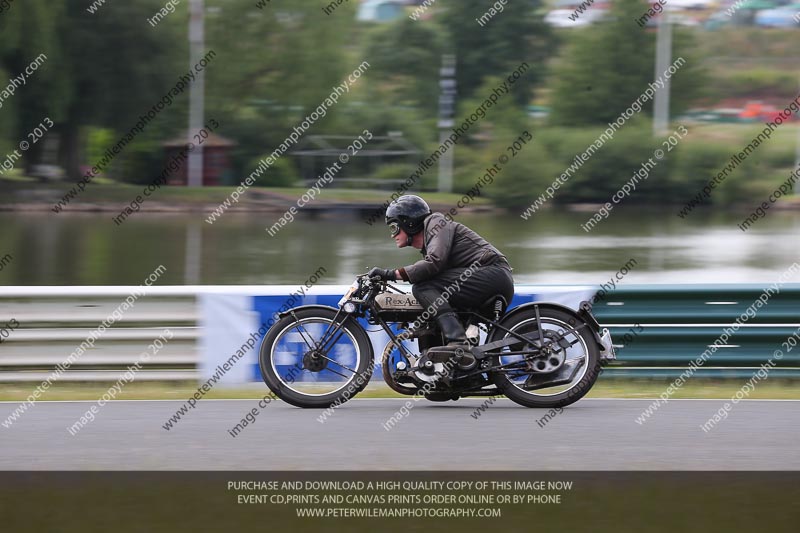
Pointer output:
x,y
19,190
609,388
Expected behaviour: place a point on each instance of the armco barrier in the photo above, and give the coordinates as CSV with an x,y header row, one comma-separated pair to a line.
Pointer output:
x,y
54,321
678,323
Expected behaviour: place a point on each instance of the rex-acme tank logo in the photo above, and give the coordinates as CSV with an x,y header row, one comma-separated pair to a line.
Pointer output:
x,y
389,301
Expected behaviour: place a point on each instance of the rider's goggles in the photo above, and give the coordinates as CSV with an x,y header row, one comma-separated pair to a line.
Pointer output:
x,y
394,227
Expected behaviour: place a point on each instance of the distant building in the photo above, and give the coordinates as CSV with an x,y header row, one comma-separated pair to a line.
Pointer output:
x,y
381,10
216,160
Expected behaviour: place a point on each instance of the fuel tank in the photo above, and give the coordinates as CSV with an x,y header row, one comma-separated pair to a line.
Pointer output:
x,y
395,307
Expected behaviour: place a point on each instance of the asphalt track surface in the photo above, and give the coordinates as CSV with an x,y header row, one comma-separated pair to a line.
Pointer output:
x,y
593,434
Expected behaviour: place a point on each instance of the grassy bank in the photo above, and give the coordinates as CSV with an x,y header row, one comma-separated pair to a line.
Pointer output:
x,y
609,388
20,190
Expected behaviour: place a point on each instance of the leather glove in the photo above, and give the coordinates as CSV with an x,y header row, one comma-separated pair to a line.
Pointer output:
x,y
383,273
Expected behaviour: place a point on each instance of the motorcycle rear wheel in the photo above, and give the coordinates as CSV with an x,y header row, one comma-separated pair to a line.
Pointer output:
x,y
582,352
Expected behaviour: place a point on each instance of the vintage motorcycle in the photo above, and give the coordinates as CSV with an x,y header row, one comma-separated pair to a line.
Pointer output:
x,y
537,354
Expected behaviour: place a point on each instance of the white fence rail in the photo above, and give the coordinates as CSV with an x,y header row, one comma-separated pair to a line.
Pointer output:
x,y
54,321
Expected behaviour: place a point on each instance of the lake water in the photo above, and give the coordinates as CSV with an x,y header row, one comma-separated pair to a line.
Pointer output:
x,y
551,248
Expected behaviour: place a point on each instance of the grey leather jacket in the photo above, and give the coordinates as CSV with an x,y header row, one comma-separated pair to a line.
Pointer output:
x,y
449,244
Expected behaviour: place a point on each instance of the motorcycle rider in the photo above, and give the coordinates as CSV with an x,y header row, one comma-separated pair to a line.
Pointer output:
x,y
448,249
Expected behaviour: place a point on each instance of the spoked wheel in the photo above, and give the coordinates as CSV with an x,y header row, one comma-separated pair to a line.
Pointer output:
x,y
312,361
564,372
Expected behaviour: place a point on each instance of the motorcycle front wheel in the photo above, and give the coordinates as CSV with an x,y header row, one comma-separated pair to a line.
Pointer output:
x,y
315,359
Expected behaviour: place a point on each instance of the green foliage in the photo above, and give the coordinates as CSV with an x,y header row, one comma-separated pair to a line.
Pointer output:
x,y
406,56
690,82
287,56
98,141
281,174
519,180
394,172
697,163
7,116
102,70
750,46
776,156
26,31
516,35
604,68
468,164
757,82
524,177
381,120
607,66
254,141
682,172
744,184
274,67
610,166
504,113
136,76
141,162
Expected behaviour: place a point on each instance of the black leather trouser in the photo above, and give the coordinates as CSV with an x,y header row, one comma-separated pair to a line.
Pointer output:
x,y
458,288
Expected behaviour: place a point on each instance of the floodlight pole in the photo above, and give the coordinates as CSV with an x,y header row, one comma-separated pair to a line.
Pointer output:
x,y
194,172
663,56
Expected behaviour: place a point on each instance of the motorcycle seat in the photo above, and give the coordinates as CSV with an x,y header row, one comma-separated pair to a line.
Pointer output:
x,y
487,308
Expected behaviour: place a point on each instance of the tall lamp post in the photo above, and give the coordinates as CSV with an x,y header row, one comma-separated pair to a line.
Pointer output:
x,y
196,92
447,103
663,57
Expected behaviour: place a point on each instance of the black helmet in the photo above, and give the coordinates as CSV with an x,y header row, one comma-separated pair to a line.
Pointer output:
x,y
408,212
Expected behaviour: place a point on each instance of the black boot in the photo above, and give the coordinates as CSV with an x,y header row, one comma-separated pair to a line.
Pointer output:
x,y
454,335
452,329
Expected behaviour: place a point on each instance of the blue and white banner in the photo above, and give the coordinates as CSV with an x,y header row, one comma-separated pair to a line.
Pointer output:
x,y
234,323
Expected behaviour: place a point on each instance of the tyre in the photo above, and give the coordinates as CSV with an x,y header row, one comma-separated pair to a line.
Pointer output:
x,y
564,376
304,374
